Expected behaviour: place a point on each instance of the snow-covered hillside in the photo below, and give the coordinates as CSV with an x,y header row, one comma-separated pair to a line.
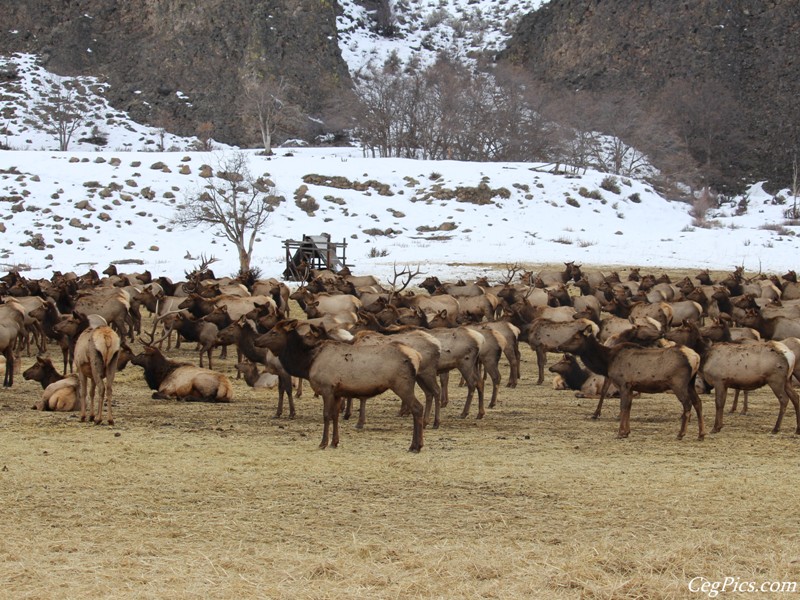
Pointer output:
x,y
73,210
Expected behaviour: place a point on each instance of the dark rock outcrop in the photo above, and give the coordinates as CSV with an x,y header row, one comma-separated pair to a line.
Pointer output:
x,y
179,64
749,50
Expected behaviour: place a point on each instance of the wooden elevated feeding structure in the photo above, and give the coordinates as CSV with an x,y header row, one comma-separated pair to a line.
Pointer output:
x,y
313,252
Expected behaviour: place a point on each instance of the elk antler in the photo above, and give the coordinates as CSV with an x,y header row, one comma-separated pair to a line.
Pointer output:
x,y
511,272
408,277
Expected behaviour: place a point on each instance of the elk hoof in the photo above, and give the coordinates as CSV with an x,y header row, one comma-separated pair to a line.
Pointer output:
x,y
111,421
775,430
83,418
716,429
701,437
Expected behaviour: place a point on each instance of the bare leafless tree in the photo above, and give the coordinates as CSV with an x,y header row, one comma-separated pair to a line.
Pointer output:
x,y
61,113
234,203
267,104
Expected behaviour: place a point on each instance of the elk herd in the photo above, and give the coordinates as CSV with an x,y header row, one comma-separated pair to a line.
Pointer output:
x,y
360,337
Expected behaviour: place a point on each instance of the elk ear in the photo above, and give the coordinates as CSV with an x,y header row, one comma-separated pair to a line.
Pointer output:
x,y
588,331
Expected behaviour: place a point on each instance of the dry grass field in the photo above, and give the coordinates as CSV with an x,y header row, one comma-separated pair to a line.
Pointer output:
x,y
536,500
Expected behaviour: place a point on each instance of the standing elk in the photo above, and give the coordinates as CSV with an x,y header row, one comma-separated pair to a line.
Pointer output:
x,y
96,352
635,369
338,370
12,324
749,366
243,333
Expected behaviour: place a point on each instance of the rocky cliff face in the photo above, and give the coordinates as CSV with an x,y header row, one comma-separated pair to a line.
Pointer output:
x,y
749,48
182,63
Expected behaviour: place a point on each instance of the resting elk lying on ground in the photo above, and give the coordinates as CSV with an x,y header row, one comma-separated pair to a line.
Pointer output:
x,y
572,376
96,352
254,378
635,369
59,393
338,370
181,381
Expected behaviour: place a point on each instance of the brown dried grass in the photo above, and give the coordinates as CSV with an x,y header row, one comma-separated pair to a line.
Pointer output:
x,y
534,501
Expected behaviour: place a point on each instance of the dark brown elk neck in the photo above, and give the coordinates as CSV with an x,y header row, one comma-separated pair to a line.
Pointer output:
x,y
156,367
247,346
595,356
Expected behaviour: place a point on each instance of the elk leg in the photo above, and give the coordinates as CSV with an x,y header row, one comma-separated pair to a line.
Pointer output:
x,y
109,392
784,393
416,411
92,385
327,409
625,401
444,380
720,396
795,402
603,392
735,402
82,389
348,409
541,359
362,413
697,402
285,386
337,403
495,375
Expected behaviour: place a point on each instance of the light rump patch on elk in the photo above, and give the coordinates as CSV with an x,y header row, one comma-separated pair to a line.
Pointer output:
x,y
96,353
338,370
